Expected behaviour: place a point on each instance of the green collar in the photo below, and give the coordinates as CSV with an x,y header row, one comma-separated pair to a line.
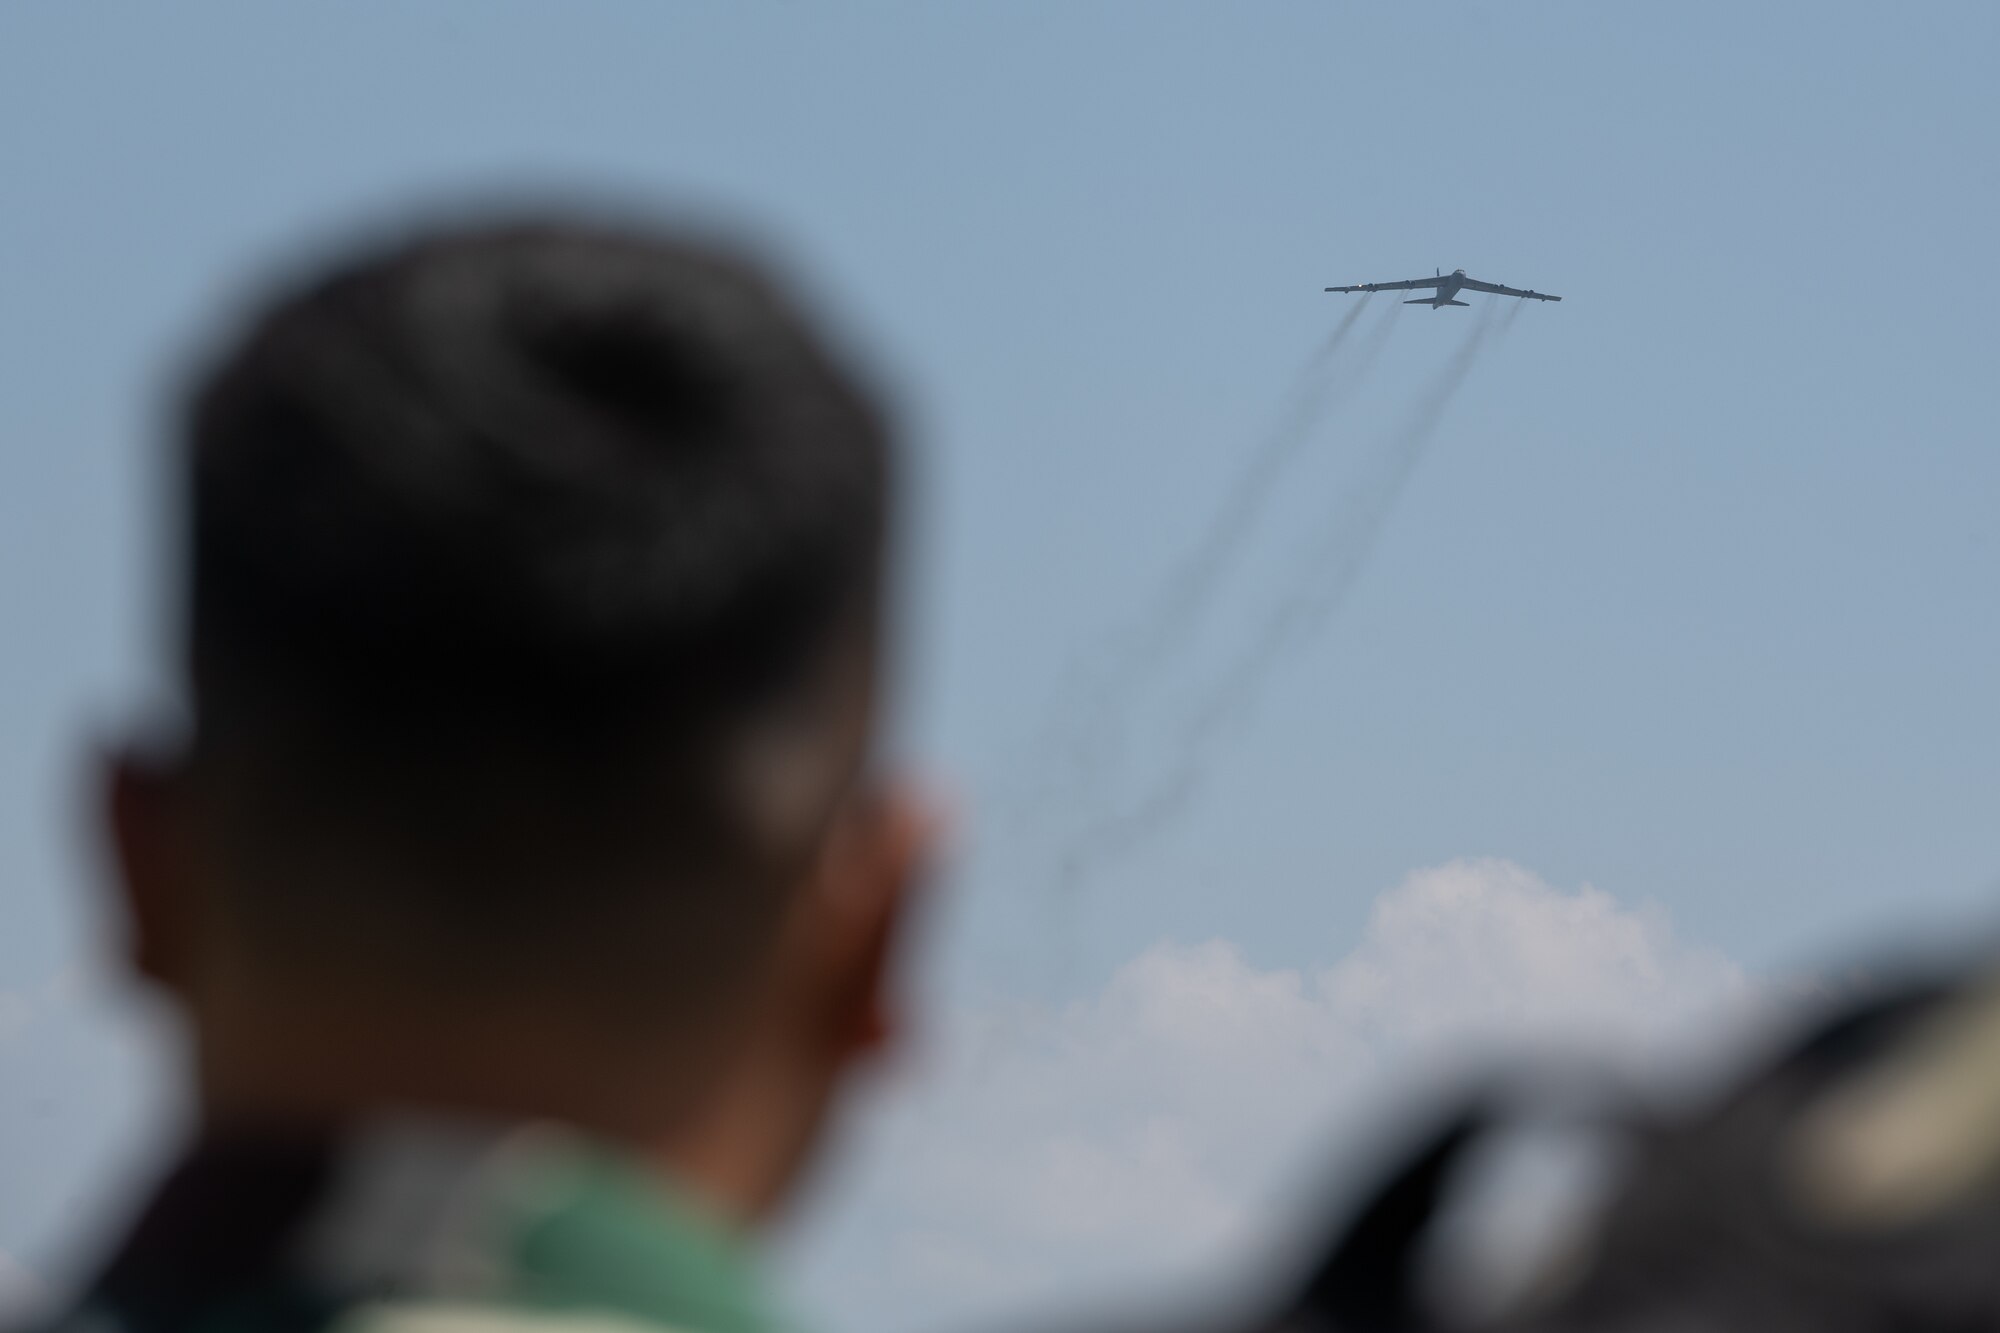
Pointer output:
x,y
592,1229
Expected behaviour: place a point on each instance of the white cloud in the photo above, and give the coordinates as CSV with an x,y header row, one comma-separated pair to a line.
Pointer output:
x,y
1170,1124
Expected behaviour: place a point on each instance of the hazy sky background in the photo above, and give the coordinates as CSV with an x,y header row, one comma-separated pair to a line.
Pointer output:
x,y
1691,599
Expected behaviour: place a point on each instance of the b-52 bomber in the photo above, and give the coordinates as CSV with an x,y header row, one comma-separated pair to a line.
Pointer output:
x,y
1447,289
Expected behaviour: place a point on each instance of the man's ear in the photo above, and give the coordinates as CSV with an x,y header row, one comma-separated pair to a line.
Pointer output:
x,y
866,890
143,808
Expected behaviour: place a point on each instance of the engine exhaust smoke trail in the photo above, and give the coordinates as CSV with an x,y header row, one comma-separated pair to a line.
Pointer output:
x,y
1186,593
1086,733
1329,573
1321,587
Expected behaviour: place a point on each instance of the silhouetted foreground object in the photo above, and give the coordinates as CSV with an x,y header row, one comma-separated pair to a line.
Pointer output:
x,y
1847,1186
525,874
1851,1184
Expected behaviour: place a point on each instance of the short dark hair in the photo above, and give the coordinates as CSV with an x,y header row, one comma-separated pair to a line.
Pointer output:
x,y
501,539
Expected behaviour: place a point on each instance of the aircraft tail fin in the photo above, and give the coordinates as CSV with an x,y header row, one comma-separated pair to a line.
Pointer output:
x,y
1434,303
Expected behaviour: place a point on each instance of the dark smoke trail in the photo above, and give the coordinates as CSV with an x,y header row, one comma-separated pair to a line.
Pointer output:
x,y
1320,589
1086,736
1351,535
1187,592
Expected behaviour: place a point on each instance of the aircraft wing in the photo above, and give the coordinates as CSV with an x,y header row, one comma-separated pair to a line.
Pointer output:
x,y
1494,287
1412,285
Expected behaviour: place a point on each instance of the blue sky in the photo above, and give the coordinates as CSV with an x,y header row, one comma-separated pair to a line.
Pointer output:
x,y
1690,598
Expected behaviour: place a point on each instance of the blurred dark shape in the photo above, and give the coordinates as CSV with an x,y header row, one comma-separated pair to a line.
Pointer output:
x,y
1374,1277
1838,1187
504,543
1850,1182
526,878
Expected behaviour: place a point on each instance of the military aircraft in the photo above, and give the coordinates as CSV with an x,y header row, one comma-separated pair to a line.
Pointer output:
x,y
1447,288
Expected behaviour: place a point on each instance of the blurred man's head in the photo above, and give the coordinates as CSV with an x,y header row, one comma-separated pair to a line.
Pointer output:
x,y
533,602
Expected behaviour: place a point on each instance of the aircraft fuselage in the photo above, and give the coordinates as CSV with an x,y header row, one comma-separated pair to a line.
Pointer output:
x,y
1447,291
